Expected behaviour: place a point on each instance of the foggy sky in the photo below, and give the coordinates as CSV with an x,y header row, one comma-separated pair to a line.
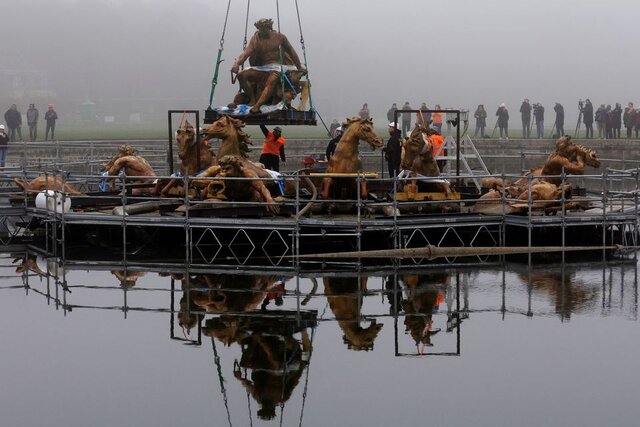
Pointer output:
x,y
457,54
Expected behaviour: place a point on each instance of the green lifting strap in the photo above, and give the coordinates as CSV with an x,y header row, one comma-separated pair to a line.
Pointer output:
x,y
214,81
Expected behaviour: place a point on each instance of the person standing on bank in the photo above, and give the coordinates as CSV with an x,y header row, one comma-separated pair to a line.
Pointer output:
x,y
391,112
503,120
13,118
559,109
525,112
4,143
331,147
406,119
481,120
538,115
393,150
272,148
50,117
616,120
629,119
587,118
364,112
32,122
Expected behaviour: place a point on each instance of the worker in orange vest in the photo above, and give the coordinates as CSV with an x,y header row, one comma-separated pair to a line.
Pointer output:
x,y
437,142
437,119
272,148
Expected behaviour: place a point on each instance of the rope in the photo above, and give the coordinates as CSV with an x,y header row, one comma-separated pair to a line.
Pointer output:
x,y
278,13
246,27
216,358
304,55
214,81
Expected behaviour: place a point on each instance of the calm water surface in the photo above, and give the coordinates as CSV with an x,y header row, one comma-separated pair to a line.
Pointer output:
x,y
491,346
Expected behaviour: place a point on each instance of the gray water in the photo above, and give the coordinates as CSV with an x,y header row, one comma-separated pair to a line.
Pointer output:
x,y
500,345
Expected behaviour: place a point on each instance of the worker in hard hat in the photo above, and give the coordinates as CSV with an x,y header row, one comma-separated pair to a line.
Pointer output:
x,y
331,147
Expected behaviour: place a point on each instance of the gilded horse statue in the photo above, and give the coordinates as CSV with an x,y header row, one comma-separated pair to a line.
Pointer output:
x,y
346,158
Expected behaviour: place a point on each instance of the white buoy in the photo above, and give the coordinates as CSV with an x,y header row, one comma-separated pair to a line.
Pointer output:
x,y
52,201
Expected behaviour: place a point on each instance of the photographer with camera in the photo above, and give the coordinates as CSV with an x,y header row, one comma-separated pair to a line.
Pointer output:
x,y
538,115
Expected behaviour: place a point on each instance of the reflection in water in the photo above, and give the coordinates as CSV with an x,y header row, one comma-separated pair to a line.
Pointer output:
x,y
345,296
567,293
275,350
424,294
262,327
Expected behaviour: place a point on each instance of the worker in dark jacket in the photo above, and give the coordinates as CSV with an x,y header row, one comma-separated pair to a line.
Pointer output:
x,y
503,120
13,118
392,152
538,115
629,119
616,120
587,117
559,109
525,111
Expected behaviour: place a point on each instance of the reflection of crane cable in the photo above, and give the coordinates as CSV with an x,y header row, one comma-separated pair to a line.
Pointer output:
x,y
216,358
249,407
306,379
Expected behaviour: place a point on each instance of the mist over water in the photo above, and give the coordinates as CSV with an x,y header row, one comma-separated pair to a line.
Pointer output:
x,y
154,55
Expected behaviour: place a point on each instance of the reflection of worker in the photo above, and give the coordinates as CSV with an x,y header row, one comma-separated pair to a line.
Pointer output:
x,y
424,297
272,148
331,147
274,293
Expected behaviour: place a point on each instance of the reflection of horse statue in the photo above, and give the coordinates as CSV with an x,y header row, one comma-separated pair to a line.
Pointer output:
x,y
345,299
222,294
132,164
346,158
567,297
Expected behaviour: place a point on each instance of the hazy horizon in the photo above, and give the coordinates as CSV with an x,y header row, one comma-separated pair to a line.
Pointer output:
x,y
459,55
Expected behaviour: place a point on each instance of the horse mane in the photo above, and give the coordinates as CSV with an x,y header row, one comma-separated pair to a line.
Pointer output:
x,y
238,125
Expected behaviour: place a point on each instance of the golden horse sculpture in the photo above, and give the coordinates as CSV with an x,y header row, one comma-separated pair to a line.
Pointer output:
x,y
128,160
418,160
545,181
233,162
346,158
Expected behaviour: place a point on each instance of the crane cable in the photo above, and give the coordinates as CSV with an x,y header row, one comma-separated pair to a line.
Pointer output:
x,y
214,81
304,55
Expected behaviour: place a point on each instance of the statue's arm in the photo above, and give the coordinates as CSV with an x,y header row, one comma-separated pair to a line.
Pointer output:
x,y
244,55
286,46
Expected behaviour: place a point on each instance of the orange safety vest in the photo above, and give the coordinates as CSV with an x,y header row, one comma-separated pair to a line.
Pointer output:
x,y
436,144
437,118
272,145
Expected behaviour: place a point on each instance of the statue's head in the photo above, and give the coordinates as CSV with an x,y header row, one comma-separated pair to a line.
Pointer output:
x,y
363,130
185,137
230,165
264,24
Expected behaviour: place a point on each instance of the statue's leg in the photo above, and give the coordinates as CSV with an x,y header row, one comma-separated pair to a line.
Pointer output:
x,y
363,190
326,186
247,81
267,91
